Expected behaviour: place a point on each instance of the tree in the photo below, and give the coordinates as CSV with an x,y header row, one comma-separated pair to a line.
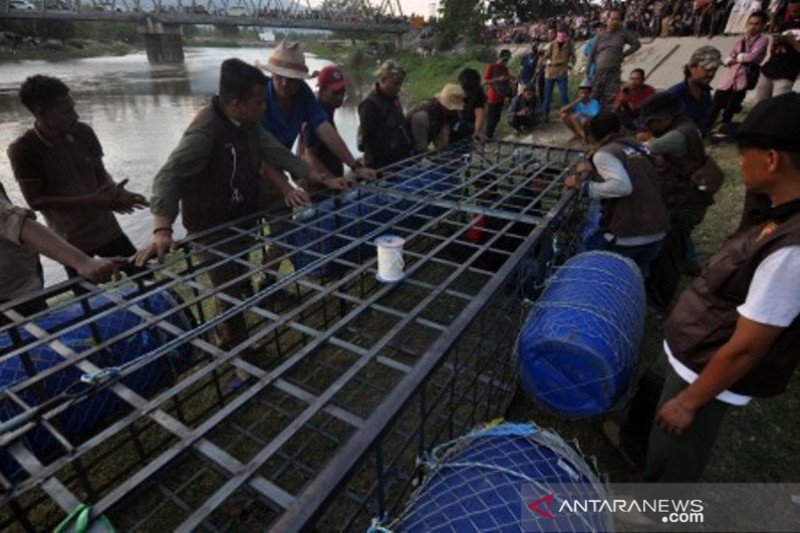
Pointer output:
x,y
528,10
460,18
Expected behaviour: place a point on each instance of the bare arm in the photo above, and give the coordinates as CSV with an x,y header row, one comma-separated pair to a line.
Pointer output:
x,y
331,138
44,241
749,343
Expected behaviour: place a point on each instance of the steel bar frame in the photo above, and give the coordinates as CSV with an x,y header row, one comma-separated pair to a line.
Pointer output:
x,y
350,379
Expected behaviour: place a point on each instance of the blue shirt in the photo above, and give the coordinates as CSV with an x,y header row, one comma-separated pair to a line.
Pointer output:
x,y
697,110
527,66
305,109
589,109
587,48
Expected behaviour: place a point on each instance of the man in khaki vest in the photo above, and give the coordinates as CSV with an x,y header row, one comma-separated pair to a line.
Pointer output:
x,y
734,333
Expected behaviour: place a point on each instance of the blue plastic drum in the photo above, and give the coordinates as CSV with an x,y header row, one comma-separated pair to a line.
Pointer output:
x,y
88,415
315,237
578,348
487,481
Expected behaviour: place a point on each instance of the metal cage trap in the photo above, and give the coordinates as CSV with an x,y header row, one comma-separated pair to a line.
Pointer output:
x,y
129,398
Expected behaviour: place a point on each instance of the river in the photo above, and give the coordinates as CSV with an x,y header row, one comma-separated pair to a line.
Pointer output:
x,y
139,112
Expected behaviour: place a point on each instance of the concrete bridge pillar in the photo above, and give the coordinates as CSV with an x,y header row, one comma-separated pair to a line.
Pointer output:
x,y
163,42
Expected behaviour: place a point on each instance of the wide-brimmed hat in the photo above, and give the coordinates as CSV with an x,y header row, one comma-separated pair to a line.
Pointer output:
x,y
288,61
452,97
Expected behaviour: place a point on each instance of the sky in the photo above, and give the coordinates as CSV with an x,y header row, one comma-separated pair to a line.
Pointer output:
x,y
420,7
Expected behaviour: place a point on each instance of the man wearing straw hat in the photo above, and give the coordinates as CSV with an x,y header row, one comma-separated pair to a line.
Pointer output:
x,y
382,130
432,120
291,103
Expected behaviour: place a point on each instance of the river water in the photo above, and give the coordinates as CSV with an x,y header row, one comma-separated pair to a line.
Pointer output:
x,y
139,112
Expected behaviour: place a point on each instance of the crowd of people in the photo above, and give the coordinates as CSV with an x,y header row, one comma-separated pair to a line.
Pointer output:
x,y
648,18
730,337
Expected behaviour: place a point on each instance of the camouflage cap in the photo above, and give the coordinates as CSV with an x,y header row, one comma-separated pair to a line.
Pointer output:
x,y
392,69
706,57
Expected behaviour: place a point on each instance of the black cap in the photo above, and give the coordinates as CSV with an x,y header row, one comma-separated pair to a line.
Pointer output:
x,y
773,124
661,104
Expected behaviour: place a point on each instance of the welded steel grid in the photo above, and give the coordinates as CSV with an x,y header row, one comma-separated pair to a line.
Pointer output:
x,y
351,379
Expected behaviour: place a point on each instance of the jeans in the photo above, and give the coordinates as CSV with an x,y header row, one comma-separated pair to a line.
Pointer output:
x,y
665,271
728,103
642,255
493,114
548,94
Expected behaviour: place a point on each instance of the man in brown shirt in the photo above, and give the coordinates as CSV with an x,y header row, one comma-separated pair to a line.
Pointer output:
x,y
59,166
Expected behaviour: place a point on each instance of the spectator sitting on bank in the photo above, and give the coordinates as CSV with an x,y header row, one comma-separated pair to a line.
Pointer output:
x,y
694,92
744,57
432,120
577,114
628,101
522,110
472,119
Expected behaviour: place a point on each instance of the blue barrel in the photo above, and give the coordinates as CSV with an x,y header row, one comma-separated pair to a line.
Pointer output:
x,y
579,345
422,181
315,236
490,479
87,416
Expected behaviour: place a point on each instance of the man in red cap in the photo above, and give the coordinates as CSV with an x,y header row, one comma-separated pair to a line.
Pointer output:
x,y
332,89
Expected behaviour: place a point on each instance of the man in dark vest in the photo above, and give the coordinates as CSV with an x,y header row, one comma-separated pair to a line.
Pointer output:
x,y
734,332
382,131
214,175
431,120
634,220
679,152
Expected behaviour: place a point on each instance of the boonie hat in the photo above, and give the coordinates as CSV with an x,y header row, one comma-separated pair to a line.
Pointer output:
x,y
452,97
288,61
772,124
332,77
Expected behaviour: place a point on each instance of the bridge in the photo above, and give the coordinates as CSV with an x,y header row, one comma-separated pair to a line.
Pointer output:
x,y
160,21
